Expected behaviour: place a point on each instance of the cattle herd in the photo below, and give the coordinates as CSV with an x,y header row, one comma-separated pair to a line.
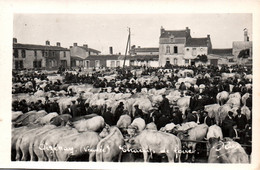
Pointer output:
x,y
141,114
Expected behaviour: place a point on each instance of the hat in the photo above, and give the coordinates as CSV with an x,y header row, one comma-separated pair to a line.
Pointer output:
x,y
121,103
194,112
136,105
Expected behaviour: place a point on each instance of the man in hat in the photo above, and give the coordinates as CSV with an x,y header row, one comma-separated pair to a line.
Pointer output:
x,y
47,104
74,110
119,111
241,123
227,125
138,112
67,110
165,106
192,116
109,117
178,114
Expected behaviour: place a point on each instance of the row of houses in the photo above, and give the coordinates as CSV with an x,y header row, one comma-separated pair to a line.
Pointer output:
x,y
176,47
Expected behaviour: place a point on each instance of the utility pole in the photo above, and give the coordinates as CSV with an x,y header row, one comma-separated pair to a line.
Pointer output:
x,y
127,46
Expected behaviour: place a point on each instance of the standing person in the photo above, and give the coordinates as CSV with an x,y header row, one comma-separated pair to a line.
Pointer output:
x,y
47,104
165,106
74,110
81,107
119,111
67,110
241,123
138,112
178,114
227,125
54,107
192,117
109,117
89,109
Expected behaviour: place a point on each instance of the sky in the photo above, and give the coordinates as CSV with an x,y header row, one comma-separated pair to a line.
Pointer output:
x,y
100,31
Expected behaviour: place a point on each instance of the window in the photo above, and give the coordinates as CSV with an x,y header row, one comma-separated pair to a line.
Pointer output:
x,y
171,39
168,49
175,49
112,64
53,53
175,61
186,61
97,63
168,61
46,53
18,64
118,63
21,64
23,53
64,53
42,53
187,49
35,53
15,53
194,52
37,64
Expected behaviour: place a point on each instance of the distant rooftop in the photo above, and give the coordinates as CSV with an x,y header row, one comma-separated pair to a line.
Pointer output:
x,y
222,51
38,47
90,49
197,42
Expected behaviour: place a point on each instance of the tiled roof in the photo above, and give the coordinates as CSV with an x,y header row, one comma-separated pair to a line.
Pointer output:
x,y
196,42
90,49
175,33
222,51
102,57
152,49
76,58
140,57
38,47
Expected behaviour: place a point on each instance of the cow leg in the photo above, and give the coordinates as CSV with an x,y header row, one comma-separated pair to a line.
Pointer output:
x,y
170,157
91,156
193,152
145,156
32,155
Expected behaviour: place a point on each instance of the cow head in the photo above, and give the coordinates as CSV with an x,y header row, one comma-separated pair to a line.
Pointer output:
x,y
132,130
132,143
105,131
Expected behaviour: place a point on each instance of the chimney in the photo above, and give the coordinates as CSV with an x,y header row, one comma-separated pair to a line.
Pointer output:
x,y
246,38
162,30
111,50
14,40
58,44
208,36
47,42
75,44
70,46
188,31
85,45
119,53
139,46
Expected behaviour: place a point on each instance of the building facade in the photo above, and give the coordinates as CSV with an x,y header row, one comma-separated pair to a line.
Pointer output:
x,y
177,47
31,56
143,51
243,46
79,55
171,46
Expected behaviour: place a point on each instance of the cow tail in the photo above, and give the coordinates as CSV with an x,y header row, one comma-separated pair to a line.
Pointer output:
x,y
17,148
99,152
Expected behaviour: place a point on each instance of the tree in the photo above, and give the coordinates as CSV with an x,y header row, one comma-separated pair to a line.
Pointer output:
x,y
202,58
243,54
